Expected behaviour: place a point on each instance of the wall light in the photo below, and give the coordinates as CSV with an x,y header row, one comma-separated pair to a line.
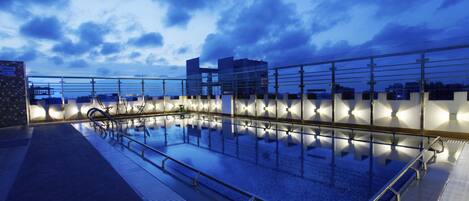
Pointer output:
x,y
399,115
316,110
37,112
55,114
393,113
352,112
266,108
462,116
452,116
288,109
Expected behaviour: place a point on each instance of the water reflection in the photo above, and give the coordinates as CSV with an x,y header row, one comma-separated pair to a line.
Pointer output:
x,y
282,161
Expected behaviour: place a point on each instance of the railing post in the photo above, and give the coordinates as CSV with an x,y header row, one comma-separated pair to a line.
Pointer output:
x,y
372,89
183,102
333,91
302,90
143,90
62,97
118,95
255,98
276,93
93,91
28,100
234,97
422,61
164,96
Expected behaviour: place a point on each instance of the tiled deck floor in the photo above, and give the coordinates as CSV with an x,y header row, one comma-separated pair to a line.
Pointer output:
x,y
14,143
144,183
60,164
457,187
432,184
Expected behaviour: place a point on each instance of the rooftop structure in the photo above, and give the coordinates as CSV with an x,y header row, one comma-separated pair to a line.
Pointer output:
x,y
231,77
368,128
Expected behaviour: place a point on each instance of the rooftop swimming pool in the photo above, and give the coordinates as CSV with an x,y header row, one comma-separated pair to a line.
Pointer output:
x,y
276,161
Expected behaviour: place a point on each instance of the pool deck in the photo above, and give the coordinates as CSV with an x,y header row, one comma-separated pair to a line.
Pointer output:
x,y
65,162
141,180
432,183
14,143
457,186
55,162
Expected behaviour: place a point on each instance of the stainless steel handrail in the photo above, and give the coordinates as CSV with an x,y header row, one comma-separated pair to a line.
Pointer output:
x,y
251,196
409,166
121,135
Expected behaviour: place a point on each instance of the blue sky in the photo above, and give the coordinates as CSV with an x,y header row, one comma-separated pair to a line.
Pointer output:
x,y
155,37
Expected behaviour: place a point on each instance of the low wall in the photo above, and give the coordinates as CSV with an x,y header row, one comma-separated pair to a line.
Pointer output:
x,y
450,116
439,115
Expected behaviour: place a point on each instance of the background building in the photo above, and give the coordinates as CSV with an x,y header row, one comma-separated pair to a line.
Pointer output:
x,y
241,77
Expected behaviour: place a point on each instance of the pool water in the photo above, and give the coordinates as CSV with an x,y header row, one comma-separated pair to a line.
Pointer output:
x,y
278,161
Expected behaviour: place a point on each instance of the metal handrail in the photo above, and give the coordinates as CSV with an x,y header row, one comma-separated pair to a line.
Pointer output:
x,y
463,46
103,78
200,173
390,184
167,157
114,123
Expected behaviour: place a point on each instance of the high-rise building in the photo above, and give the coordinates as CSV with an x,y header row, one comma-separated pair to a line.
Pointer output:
x,y
240,77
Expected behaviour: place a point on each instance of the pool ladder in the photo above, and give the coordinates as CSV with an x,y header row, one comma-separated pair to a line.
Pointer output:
x,y
114,128
410,167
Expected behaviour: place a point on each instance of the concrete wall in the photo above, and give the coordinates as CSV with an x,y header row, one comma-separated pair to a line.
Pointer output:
x,y
77,111
439,115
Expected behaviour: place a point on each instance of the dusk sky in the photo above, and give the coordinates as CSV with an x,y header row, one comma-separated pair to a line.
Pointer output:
x,y
156,37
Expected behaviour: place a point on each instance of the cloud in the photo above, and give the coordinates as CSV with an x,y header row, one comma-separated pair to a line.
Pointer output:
x,y
102,71
180,12
249,31
21,8
176,17
395,37
110,48
134,55
183,50
152,59
79,63
67,47
29,54
42,28
152,39
57,60
91,35
4,35
448,3
391,39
